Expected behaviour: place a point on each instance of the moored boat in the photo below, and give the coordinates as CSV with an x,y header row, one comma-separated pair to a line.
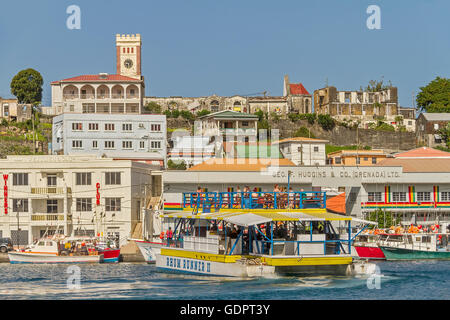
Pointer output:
x,y
51,251
149,249
416,246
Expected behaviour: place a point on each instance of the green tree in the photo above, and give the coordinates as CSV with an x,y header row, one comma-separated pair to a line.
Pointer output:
x,y
153,107
175,113
27,86
202,113
186,115
311,117
385,219
445,134
434,97
326,121
176,165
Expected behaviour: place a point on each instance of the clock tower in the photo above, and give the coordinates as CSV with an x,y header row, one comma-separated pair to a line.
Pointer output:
x,y
129,55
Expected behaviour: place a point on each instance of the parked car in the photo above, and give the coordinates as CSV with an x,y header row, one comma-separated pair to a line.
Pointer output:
x,y
5,245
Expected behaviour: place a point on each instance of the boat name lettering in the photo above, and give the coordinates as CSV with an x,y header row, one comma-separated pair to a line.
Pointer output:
x,y
187,264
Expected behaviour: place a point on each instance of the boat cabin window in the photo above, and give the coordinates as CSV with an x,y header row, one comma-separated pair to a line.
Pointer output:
x,y
49,244
426,239
41,243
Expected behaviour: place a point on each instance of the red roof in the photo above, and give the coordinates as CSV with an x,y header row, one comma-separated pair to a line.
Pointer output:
x,y
423,152
98,78
298,88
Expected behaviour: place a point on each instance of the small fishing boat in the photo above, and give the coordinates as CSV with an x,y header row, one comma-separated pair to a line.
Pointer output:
x,y
53,251
259,235
366,246
415,246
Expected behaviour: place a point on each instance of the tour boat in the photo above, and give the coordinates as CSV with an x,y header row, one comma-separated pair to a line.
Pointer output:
x,y
50,251
273,234
416,246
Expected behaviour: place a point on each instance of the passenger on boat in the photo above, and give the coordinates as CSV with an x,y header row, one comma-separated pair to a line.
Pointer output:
x,y
169,236
237,199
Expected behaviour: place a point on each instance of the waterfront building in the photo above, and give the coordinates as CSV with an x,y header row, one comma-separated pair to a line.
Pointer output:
x,y
11,109
135,137
303,151
413,189
74,195
356,157
428,126
103,93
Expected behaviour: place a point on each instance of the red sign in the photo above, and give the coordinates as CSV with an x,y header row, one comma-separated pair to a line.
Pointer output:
x,y
98,193
5,193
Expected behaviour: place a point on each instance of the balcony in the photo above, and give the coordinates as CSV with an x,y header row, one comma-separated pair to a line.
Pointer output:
x,y
48,218
49,190
87,96
70,97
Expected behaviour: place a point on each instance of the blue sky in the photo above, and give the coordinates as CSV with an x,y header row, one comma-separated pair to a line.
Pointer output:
x,y
202,47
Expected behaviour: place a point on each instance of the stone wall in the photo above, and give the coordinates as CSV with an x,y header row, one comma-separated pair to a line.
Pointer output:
x,y
342,136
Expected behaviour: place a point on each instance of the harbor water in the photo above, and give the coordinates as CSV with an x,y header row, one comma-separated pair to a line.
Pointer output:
x,y
428,280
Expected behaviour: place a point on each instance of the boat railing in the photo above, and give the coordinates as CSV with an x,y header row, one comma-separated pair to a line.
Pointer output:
x,y
254,200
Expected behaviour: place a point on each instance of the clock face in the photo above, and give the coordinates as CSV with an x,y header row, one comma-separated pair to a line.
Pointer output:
x,y
128,63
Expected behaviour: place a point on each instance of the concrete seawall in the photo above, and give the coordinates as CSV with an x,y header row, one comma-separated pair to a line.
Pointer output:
x,y
4,258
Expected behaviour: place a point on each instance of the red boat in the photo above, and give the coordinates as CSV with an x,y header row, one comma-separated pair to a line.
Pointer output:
x,y
369,252
110,255
367,248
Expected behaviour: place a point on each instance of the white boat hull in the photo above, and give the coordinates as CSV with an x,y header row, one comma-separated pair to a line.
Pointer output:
x,y
149,250
26,257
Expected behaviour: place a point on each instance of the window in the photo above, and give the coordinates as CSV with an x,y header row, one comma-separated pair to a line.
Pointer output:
x,y
93,126
51,180
374,197
366,159
141,144
84,204
94,144
358,160
445,196
141,126
423,196
77,126
77,144
155,127
109,127
374,160
52,206
245,123
112,177
109,144
156,144
20,205
112,204
127,144
316,149
20,179
409,123
399,196
300,149
337,160
83,178
436,126
127,127
72,108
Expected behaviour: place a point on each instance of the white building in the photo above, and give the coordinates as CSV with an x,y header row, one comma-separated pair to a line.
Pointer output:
x,y
60,193
228,123
135,137
304,151
193,149
103,93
